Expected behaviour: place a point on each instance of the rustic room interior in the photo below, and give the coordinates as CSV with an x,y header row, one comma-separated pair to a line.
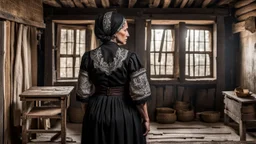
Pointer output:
x,y
196,53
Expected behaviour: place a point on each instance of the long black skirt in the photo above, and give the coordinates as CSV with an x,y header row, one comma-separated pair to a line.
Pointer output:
x,y
111,120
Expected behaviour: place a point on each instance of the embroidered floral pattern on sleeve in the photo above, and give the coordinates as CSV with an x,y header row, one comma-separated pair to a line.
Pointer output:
x,y
84,85
139,85
108,68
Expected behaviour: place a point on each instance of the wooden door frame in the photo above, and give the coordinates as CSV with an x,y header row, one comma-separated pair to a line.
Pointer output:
x,y
2,59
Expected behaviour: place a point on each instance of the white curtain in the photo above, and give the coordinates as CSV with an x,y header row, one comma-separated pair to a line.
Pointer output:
x,y
22,80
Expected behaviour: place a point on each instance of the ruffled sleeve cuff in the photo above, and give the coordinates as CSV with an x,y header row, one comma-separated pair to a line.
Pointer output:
x,y
139,86
84,88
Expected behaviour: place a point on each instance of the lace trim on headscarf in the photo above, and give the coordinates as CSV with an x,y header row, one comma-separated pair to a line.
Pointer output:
x,y
107,23
121,26
108,68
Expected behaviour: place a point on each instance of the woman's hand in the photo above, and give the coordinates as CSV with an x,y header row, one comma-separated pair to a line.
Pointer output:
x,y
147,127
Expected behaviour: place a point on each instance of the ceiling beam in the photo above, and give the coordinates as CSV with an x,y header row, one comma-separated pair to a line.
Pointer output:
x,y
177,3
206,3
183,4
105,3
154,4
52,3
198,3
242,3
223,2
78,3
67,3
190,2
89,3
247,15
166,3
245,9
131,3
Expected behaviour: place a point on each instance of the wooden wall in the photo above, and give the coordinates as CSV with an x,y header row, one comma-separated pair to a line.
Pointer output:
x,y
28,12
248,60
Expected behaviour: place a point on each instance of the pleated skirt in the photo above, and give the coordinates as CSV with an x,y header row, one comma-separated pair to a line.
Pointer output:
x,y
111,120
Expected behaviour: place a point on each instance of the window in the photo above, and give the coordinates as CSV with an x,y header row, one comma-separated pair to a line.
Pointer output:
x,y
162,52
167,56
71,47
198,52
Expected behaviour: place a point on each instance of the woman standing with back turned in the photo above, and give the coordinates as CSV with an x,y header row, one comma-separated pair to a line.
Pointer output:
x,y
113,84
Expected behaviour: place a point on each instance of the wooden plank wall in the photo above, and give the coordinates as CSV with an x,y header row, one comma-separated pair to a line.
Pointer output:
x,y
201,98
2,58
248,60
23,11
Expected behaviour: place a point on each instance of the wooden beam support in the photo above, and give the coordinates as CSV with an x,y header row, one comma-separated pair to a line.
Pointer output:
x,y
67,3
131,3
105,3
242,3
183,4
206,3
2,67
139,38
221,84
246,9
177,3
182,33
248,24
198,3
53,3
89,3
154,4
247,15
223,2
166,3
190,2
78,3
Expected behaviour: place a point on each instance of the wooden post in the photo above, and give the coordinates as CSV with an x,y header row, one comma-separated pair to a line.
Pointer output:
x,y
2,58
182,47
48,54
220,86
140,38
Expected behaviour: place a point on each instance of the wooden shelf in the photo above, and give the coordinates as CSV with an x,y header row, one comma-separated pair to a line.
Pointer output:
x,y
42,131
44,112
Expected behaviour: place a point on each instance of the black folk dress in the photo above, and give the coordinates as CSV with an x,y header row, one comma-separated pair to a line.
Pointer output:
x,y
112,119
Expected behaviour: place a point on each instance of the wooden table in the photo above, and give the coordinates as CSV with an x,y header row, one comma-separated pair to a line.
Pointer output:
x,y
29,111
234,108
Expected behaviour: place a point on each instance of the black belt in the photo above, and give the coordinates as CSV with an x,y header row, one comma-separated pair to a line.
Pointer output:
x,y
109,91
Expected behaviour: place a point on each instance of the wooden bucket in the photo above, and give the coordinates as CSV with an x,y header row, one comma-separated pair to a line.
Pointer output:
x,y
210,116
186,115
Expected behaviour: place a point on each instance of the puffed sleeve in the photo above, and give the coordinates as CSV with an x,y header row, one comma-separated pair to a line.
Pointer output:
x,y
139,86
84,87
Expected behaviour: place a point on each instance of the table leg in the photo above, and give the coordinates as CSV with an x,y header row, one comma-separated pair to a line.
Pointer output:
x,y
226,119
242,130
63,120
24,123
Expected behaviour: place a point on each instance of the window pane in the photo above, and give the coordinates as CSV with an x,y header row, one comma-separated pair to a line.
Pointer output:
x,y
82,49
76,72
63,72
82,36
70,62
169,70
63,35
70,35
70,48
63,62
63,48
77,62
69,72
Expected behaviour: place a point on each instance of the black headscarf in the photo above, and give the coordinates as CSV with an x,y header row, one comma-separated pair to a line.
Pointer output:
x,y
107,24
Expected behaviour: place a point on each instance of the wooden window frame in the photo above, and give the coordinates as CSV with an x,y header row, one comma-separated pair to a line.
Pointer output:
x,y
74,56
162,27
202,27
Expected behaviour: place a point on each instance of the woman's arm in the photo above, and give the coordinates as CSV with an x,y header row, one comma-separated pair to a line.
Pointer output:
x,y
143,109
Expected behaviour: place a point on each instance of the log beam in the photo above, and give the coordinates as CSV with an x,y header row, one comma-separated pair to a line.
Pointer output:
x,y
166,3
190,2
78,3
247,15
198,3
89,3
248,24
242,3
52,3
67,3
245,9
177,3
183,4
223,2
206,3
131,3
154,4
105,3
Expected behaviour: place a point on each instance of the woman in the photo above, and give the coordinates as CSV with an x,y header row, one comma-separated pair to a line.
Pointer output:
x,y
113,84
